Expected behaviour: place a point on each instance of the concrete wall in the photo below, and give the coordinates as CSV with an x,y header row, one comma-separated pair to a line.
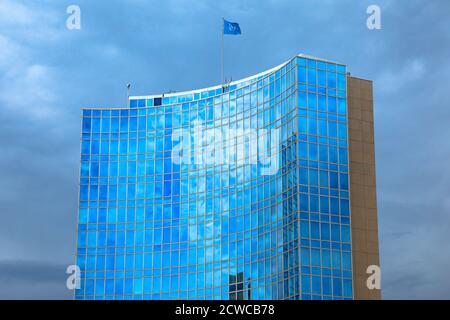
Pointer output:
x,y
362,185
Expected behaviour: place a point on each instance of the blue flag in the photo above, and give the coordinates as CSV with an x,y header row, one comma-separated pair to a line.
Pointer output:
x,y
231,27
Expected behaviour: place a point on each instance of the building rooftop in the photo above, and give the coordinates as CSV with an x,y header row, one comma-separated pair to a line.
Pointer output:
x,y
237,83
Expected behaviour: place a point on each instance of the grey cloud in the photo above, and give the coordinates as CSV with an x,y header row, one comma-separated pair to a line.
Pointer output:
x,y
33,279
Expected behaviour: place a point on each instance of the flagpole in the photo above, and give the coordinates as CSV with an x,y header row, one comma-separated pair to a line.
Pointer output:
x,y
223,26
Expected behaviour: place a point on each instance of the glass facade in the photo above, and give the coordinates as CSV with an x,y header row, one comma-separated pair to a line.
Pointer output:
x,y
150,227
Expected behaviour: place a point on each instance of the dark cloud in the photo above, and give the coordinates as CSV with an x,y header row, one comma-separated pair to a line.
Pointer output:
x,y
414,249
33,280
48,73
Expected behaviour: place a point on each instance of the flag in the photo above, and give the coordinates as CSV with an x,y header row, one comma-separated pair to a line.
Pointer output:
x,y
231,27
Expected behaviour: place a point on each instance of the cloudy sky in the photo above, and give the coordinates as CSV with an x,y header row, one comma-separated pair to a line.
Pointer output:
x,y
47,73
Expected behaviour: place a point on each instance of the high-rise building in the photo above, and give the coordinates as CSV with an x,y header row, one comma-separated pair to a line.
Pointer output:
x,y
262,188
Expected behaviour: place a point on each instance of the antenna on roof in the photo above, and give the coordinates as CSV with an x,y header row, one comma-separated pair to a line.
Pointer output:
x,y
128,88
225,83
128,93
